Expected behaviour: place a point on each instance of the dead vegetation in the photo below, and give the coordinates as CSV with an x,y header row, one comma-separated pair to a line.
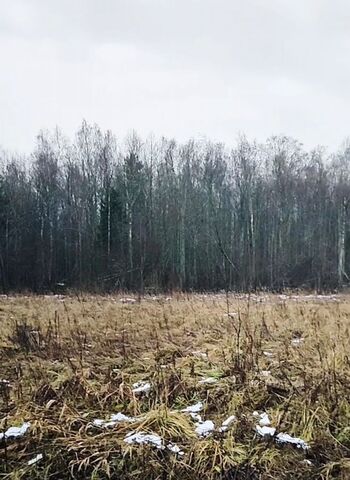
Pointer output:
x,y
68,365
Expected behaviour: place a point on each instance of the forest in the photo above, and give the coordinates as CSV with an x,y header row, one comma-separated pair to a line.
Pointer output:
x,y
103,214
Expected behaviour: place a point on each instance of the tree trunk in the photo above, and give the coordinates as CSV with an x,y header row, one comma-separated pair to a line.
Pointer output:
x,y
130,246
341,243
182,246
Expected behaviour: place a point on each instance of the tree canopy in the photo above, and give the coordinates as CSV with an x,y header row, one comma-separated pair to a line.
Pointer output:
x,y
98,214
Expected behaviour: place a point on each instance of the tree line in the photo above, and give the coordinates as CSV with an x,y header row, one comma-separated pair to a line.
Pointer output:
x,y
98,214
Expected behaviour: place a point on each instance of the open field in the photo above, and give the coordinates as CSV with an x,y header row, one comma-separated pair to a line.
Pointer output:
x,y
68,364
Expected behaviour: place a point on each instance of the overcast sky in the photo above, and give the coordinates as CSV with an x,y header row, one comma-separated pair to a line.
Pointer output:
x,y
179,68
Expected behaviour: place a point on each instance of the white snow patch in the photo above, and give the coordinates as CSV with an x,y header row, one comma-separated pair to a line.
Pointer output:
x,y
302,298
36,459
286,438
120,417
142,438
197,353
128,300
207,380
197,407
141,387
98,422
109,424
175,449
14,432
264,420
265,431
332,298
204,429
226,423
113,420
196,417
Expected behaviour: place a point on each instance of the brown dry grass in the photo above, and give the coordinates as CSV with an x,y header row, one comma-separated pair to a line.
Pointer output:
x,y
84,353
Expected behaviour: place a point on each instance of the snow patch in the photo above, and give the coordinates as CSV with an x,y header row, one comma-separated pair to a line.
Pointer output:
x,y
36,459
204,429
14,432
226,423
120,417
128,300
175,449
197,407
197,353
142,438
207,380
141,387
265,431
264,420
286,438
196,417
113,420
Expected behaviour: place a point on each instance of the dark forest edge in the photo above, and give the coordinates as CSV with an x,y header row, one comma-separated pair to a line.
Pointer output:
x,y
101,215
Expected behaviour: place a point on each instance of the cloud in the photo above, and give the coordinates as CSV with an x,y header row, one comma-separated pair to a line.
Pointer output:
x,y
178,68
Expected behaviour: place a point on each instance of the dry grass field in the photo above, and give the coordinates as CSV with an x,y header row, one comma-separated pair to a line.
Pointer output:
x,y
270,365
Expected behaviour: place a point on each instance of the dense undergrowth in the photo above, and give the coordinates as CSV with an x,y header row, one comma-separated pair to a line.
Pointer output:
x,y
65,362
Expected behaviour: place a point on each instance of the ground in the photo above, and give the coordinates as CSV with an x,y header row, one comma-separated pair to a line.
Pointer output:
x,y
274,364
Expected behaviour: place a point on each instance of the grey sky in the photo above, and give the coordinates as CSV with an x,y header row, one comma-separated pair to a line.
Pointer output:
x,y
178,68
